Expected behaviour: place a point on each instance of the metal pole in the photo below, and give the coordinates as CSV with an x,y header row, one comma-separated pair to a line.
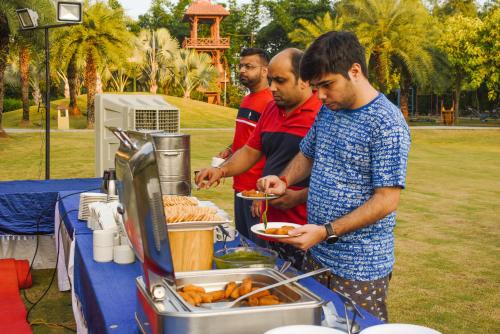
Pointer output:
x,y
47,105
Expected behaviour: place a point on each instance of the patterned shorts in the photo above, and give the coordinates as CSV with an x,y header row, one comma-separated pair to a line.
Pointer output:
x,y
371,295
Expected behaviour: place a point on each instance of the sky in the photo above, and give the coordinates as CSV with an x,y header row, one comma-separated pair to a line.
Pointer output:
x,y
134,8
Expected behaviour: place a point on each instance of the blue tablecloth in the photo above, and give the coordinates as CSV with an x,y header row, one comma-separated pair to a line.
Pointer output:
x,y
27,207
107,291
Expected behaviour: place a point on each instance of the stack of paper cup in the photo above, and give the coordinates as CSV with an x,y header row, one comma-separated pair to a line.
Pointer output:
x,y
216,161
103,245
123,254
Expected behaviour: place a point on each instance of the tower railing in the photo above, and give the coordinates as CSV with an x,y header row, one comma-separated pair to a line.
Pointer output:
x,y
205,42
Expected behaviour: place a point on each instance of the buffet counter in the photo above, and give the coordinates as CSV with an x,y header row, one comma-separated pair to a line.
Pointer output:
x,y
105,293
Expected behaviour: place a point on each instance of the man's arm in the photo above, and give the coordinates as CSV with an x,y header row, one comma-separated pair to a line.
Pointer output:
x,y
241,161
297,170
384,201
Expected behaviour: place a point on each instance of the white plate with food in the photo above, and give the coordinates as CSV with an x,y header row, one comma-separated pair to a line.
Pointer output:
x,y
255,195
274,230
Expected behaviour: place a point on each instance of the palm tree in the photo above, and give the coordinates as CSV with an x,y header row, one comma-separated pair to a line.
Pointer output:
x,y
395,34
309,31
192,70
102,37
156,50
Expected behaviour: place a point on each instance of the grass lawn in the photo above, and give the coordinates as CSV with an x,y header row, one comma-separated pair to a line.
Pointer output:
x,y
194,114
447,237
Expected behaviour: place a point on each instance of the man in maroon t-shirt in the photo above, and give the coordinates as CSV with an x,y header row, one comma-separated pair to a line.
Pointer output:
x,y
253,75
279,131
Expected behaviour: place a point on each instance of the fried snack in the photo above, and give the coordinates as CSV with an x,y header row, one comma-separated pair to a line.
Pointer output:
x,y
252,301
195,296
188,213
271,230
171,200
206,298
217,295
284,230
229,289
268,300
192,287
246,286
260,294
187,298
253,193
236,293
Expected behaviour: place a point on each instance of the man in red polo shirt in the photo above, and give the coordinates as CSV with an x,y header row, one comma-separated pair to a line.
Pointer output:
x,y
279,131
253,75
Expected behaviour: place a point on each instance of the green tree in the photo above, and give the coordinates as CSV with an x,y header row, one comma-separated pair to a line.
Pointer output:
x,y
102,37
11,39
283,15
489,39
395,35
156,52
168,15
447,8
309,31
459,41
193,70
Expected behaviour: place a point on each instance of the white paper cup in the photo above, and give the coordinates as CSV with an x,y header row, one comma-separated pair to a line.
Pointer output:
x,y
116,240
216,161
123,254
103,254
104,238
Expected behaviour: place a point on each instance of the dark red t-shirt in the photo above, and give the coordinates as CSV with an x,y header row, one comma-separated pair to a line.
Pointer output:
x,y
248,115
278,137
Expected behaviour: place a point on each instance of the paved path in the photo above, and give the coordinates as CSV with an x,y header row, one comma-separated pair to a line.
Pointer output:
x,y
19,130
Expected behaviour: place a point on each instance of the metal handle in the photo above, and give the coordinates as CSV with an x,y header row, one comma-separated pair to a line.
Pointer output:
x,y
171,154
290,280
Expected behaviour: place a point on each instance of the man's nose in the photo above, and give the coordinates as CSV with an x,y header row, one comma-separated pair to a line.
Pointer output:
x,y
272,86
321,94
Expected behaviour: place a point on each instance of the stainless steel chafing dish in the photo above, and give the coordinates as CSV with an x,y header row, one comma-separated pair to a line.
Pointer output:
x,y
160,309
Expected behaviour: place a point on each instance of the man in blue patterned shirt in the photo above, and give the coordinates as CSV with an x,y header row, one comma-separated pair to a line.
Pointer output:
x,y
356,155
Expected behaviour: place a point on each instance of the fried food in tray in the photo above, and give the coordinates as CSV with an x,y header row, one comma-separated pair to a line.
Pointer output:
x,y
173,200
196,295
279,231
189,213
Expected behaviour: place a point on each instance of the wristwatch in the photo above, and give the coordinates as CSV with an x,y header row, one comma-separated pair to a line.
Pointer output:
x,y
331,236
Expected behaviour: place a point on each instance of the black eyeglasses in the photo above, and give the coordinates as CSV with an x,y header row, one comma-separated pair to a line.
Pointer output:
x,y
248,66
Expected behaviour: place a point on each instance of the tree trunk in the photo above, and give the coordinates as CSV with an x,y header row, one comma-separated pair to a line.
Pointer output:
x,y
90,83
72,74
24,64
404,97
4,52
380,73
458,91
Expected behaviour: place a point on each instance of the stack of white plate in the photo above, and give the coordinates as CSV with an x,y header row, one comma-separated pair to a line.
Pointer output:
x,y
87,198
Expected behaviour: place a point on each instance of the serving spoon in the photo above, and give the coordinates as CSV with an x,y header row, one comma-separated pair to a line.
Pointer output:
x,y
224,305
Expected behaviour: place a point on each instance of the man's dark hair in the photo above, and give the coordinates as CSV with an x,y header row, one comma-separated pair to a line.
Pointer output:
x,y
295,58
264,57
333,52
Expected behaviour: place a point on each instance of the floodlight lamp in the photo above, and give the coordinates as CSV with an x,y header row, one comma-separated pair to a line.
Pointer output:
x,y
28,18
69,11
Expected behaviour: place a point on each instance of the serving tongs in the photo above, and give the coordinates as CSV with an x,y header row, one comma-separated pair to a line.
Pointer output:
x,y
225,305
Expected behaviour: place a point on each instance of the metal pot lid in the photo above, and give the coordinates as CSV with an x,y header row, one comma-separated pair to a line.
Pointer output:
x,y
140,195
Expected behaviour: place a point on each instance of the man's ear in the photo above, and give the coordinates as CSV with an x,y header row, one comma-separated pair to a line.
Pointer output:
x,y
355,72
303,84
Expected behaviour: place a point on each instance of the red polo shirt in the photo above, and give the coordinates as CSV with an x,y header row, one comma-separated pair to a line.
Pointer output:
x,y
248,115
278,137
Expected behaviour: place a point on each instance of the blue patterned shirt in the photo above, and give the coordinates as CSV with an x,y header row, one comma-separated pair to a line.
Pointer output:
x,y
354,152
